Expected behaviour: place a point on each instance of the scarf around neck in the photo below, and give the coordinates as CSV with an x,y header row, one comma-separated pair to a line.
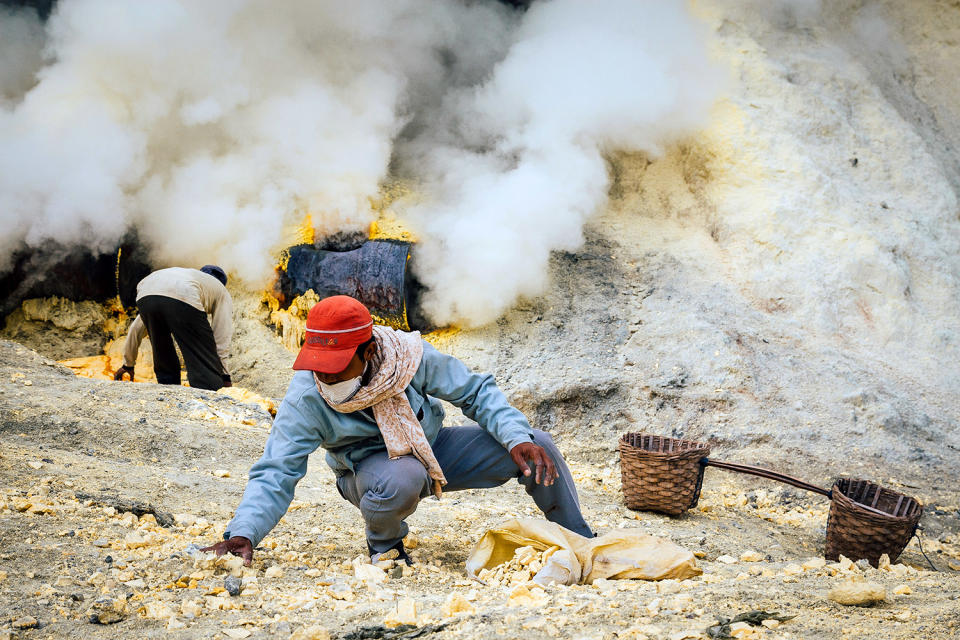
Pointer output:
x,y
394,364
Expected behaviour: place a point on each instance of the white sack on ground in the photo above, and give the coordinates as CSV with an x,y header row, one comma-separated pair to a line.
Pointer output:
x,y
622,554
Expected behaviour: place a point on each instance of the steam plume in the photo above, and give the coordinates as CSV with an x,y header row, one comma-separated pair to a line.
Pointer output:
x,y
209,127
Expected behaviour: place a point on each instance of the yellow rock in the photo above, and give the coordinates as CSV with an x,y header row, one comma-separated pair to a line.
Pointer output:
x,y
191,608
751,556
405,613
273,572
858,593
903,590
725,559
814,563
743,631
221,473
315,632
792,570
455,604
155,610
521,596
236,634
772,623
134,540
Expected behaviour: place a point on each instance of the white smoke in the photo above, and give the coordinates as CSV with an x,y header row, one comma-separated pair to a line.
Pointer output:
x,y
21,51
210,127
518,167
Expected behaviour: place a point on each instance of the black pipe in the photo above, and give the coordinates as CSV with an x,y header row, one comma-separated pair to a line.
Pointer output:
x,y
376,273
74,273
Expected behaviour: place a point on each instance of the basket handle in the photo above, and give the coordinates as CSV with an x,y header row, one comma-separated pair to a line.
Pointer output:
x,y
766,473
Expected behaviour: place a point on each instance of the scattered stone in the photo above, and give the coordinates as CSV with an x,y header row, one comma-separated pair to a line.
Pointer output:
x,y
35,464
751,556
232,585
405,613
455,604
340,591
222,473
26,622
792,570
191,608
368,573
107,611
236,634
273,572
184,519
101,543
521,596
315,632
903,590
857,593
134,540
814,563
725,559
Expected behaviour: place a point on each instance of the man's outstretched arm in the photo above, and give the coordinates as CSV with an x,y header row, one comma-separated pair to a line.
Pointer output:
x,y
273,480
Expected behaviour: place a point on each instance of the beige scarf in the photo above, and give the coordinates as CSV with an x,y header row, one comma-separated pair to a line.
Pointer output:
x,y
394,364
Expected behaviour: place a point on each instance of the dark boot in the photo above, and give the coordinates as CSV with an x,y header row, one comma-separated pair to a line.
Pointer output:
x,y
401,554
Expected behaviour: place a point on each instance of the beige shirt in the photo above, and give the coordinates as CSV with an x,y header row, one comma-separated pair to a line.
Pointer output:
x,y
199,290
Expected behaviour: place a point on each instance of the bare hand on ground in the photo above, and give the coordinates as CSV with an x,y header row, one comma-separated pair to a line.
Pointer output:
x,y
237,545
123,370
546,471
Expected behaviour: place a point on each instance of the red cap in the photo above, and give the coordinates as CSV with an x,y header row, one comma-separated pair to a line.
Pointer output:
x,y
336,326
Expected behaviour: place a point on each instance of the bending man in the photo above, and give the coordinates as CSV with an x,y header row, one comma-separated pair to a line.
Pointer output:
x,y
173,304
368,395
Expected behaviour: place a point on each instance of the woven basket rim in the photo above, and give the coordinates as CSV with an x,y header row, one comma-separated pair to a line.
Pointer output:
x,y
685,444
873,513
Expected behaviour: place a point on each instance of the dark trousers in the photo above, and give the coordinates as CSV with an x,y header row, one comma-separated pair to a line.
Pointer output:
x,y
388,490
167,319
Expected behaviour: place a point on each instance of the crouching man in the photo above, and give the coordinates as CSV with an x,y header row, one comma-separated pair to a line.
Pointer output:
x,y
368,396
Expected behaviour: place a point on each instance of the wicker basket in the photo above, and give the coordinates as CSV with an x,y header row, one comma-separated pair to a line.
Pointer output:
x,y
867,521
661,474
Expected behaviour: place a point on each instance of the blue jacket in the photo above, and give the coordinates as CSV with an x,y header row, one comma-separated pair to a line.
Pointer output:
x,y
305,421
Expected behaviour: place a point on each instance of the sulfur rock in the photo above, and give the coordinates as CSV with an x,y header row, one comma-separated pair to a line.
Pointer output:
x,y
314,632
155,610
191,608
107,611
455,604
405,613
26,622
857,593
521,596
751,556
237,634
273,572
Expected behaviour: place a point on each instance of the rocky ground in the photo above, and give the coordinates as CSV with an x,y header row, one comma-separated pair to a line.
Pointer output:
x,y
78,452
784,286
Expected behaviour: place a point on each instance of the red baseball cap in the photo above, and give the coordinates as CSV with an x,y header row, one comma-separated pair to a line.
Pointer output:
x,y
336,326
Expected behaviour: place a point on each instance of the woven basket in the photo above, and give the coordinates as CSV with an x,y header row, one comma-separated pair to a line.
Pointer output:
x,y
661,474
867,521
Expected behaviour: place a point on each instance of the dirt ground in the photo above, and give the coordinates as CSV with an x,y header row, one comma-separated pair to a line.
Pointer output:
x,y
76,449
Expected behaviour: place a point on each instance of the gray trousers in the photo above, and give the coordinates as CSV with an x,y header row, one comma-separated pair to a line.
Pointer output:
x,y
387,491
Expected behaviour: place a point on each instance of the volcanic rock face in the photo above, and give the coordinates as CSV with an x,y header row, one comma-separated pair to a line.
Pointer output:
x,y
785,285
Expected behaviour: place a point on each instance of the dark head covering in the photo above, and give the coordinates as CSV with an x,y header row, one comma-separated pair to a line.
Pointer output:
x,y
216,272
